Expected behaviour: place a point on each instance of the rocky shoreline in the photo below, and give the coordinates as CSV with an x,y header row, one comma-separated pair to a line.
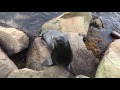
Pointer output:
x,y
93,57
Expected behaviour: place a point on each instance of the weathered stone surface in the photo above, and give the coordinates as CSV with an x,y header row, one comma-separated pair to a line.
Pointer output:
x,y
13,40
58,71
84,62
37,53
110,64
77,22
6,65
29,73
82,76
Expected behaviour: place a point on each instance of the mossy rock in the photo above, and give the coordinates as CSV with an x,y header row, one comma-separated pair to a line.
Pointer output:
x,y
110,64
77,22
97,23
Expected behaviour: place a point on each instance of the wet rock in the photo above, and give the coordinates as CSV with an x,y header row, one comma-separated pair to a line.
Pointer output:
x,y
29,73
97,41
110,64
111,22
82,76
92,45
77,22
115,34
6,65
12,40
84,62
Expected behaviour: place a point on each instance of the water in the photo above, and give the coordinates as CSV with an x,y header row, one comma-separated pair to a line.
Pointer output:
x,y
29,22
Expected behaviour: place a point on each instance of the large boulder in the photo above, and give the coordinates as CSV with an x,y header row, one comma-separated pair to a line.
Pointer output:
x,y
110,64
29,73
77,22
6,65
83,60
12,40
37,53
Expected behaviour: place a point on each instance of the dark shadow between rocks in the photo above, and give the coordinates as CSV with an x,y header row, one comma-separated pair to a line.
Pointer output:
x,y
20,59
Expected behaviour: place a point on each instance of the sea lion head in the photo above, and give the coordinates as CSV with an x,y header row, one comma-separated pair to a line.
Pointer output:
x,y
59,42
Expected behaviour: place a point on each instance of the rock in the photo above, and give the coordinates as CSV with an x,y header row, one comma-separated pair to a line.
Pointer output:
x,y
115,34
84,62
100,72
29,73
58,71
6,65
37,53
110,64
77,22
97,41
12,40
82,76
97,23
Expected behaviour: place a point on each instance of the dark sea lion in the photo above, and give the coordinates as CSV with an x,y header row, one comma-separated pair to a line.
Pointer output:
x,y
59,46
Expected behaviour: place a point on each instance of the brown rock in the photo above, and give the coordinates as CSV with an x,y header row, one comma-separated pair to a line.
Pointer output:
x,y
37,53
84,62
13,40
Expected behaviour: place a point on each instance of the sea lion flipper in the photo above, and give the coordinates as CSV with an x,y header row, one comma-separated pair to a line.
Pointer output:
x,y
70,69
44,42
48,62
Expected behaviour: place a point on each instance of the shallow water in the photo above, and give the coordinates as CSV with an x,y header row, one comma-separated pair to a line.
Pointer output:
x,y
30,22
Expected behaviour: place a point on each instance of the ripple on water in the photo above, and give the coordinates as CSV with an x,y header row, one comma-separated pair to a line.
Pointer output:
x,y
30,22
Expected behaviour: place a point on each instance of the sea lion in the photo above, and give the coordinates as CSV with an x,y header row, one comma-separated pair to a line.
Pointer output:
x,y
59,46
